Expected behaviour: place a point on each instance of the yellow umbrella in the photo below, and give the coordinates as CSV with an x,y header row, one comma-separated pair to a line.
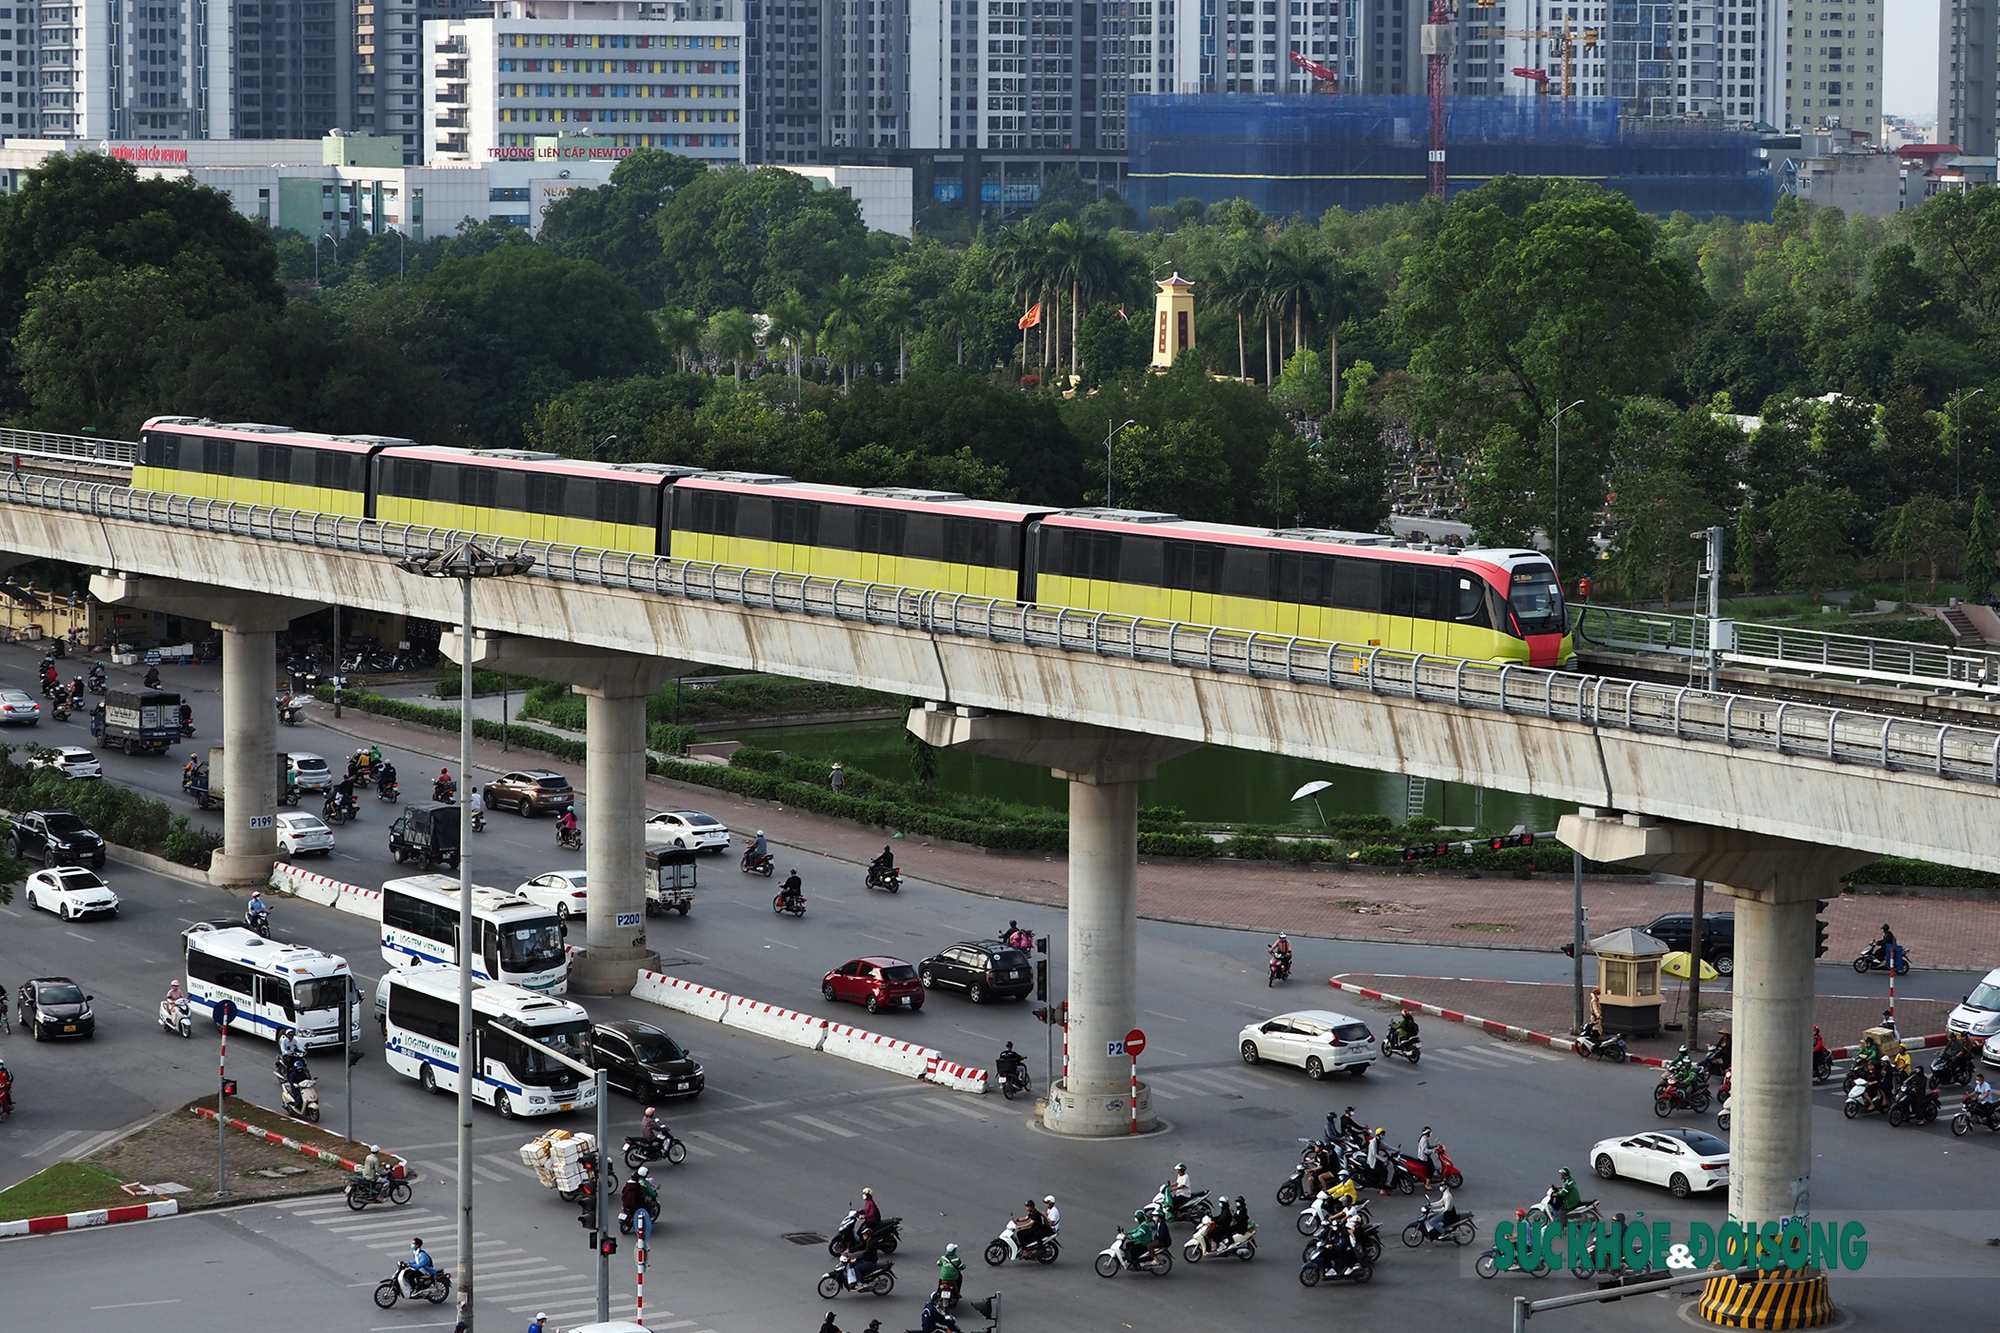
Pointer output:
x,y
1679,963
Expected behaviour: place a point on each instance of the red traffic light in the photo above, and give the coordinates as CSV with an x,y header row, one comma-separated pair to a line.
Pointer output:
x,y
608,1245
229,1087
1512,840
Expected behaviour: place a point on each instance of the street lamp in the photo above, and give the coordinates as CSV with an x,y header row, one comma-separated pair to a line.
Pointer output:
x,y
1556,538
1958,444
1109,436
465,560
323,236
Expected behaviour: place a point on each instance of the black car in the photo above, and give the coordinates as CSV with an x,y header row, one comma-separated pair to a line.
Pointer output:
x,y
56,838
1718,936
640,1059
983,969
55,1007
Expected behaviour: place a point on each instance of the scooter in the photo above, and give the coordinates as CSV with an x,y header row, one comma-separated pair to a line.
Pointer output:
x,y
1429,1228
1971,1110
1488,1263
175,1018
1113,1258
1187,1208
1917,1110
571,839
336,811
1323,1260
1955,1065
1871,960
1329,1205
1420,1170
1671,1096
1860,1100
1280,969
1591,1042
301,1099
61,709
888,1232
97,685
444,793
258,919
879,1279
1007,1246
1410,1048
1206,1244
1016,1081
434,1287
753,864
1722,1101
386,789
889,881
640,1150
796,906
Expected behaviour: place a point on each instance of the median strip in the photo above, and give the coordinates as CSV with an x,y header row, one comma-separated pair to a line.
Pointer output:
x,y
95,1217
395,1163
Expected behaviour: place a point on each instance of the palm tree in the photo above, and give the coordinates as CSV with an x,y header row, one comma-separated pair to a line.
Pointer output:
x,y
953,311
1087,262
846,342
1020,260
1335,296
1289,279
1240,284
680,331
896,312
844,302
792,321
731,337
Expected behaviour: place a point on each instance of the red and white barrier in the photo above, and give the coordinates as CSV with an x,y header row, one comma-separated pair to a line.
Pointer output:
x,y
96,1217
326,891
394,1162
959,1078
877,1051
681,996
769,1020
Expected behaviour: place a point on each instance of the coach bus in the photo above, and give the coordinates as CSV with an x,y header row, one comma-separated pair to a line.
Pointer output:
x,y
514,1031
517,943
276,987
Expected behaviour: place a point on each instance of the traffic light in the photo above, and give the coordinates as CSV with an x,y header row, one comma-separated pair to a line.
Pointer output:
x,y
1819,929
229,1087
1511,840
1054,1013
607,1245
1424,853
1041,978
989,1309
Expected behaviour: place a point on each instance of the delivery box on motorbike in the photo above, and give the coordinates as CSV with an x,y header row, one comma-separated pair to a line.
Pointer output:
x,y
1885,1040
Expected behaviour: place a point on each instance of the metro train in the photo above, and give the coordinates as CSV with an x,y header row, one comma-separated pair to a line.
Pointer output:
x,y
1360,588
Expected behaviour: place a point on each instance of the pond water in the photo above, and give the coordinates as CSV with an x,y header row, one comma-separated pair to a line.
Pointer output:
x,y
1214,785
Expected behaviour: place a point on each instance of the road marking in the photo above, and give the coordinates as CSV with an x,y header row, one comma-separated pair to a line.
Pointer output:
x,y
516,1284
781,944
54,1143
821,1124
9,911
488,1174
368,1228
717,1138
511,1165
573,1289
398,1328
1169,1017
90,1145
1204,1081
85,938
784,1128
954,1106
877,938
1154,1086
530,1261
133,1305
439,1168
415,1214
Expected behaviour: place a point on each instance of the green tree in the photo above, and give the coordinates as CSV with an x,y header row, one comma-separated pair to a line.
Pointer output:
x,y
792,323
1808,528
1749,546
613,224
954,312
680,333
1655,511
95,341
1982,541
1110,343
1957,238
1921,531
731,337
1915,453
739,239
1170,470
1302,389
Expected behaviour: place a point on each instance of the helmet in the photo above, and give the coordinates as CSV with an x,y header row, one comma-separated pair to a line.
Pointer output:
x,y
760,833
1563,1172
644,1173
1180,1166
1282,935
951,1250
1048,1198
543,1317
868,1191
1684,1049
1379,1131
1138,1215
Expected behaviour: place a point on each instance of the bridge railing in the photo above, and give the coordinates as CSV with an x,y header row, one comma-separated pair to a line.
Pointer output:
x,y
1783,648
47,444
1689,714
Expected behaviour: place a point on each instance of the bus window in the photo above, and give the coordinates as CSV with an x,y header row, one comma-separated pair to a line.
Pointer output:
x,y
531,946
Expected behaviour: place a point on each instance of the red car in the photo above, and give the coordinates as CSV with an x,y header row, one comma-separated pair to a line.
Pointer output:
x,y
879,982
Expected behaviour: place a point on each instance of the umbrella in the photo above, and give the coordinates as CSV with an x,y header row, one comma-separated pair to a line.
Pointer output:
x,y
1313,789
1679,964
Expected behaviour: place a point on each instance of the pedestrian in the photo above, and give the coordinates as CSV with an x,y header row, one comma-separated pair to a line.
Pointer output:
x,y
837,779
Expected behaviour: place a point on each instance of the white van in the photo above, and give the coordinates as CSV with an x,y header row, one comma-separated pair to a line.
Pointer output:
x,y
1979,1015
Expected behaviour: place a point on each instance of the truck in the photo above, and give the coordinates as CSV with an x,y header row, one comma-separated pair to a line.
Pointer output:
x,y
669,878
426,835
142,721
204,781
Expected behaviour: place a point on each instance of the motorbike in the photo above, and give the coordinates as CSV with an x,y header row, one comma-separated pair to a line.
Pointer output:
x,y
362,1191
387,789
175,1018
1722,1102
1420,1170
258,919
1671,1096
301,1099
879,1279
1329,1205
479,821
1871,960
1543,1210
847,1236
588,1189
889,880
187,726
796,906
289,708
1907,1105
1713,1062
1113,1258
1007,1245
1488,1263
1410,1048
627,1220
1393,1173
291,795
1955,1066
1324,1260
444,793
434,1287
1016,1081
570,839
1185,1209
1593,1042
61,709
1822,1058
97,685
1429,1229
640,1150
1861,1098
1280,969
1206,1244
753,864
1299,1184
1972,1112
336,811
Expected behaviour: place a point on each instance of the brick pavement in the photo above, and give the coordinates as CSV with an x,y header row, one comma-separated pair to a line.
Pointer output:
x,y
1324,902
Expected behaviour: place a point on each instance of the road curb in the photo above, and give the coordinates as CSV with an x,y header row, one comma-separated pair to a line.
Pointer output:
x,y
396,1164
159,865
96,1217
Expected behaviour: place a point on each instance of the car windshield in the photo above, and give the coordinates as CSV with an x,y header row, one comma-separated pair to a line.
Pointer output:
x,y
534,945
309,763
81,879
1985,995
319,993
1351,1031
1705,1145
552,784
66,823
58,992
656,1048
81,757
1009,958
900,972
1537,600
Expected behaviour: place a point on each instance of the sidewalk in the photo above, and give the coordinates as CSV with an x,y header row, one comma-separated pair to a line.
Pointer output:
x,y
1329,903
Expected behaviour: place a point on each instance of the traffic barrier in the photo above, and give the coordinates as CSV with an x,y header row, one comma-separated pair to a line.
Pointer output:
x,y
681,996
95,1217
395,1163
327,892
1767,1300
877,1051
959,1078
769,1020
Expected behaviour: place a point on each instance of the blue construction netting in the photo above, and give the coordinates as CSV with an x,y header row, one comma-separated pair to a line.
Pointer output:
x,y
1306,154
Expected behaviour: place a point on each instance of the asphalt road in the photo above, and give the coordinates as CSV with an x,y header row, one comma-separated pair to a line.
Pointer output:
x,y
783,1140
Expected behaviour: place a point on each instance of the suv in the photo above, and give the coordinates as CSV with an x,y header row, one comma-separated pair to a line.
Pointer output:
x,y
1318,1039
427,835
55,1007
983,969
55,838
640,1059
879,982
1718,936
529,792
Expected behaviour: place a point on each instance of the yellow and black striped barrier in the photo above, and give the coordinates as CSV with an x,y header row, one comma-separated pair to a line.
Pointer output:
x,y
1767,1300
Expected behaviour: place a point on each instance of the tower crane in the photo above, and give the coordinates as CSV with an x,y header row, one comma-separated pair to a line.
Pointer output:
x,y
1563,42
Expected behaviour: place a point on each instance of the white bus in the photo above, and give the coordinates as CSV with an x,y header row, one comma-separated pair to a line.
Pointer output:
x,y
512,1028
518,943
275,986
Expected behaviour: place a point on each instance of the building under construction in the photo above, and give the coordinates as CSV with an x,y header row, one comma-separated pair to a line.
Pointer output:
x,y
1304,155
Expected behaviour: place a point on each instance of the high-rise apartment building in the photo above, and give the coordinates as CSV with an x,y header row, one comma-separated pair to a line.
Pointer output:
x,y
1833,65
387,67
1968,76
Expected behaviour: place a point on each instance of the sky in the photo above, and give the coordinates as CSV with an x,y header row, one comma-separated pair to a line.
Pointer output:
x,y
1909,71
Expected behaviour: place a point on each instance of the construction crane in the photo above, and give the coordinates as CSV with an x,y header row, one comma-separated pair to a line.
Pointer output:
x,y
1563,42
1324,80
1439,37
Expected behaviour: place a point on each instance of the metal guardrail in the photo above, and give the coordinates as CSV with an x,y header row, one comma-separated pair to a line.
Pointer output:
x,y
1738,721
45,444
1779,648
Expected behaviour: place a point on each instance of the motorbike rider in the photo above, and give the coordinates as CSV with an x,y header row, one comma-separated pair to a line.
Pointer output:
x,y
640,1192
475,805
1051,1214
385,778
1031,1226
420,1263
1380,1172
1281,950
951,1272
189,770
1564,1196
1347,1129
255,907
566,822
934,1320
1427,1152
1720,1056
760,848
885,864
651,1127
1008,1063
1403,1031
1440,1214
871,1215
6,1089
1681,1069
1880,948
370,1170
1182,1190
792,889
152,681
1139,1240
1982,1091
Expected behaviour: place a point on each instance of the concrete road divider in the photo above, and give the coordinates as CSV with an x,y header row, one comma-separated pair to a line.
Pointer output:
x,y
768,1020
351,898
959,1078
96,1217
877,1051
682,996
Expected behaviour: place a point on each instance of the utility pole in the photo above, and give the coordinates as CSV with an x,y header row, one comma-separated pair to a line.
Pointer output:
x,y
1555,538
1721,633
1958,443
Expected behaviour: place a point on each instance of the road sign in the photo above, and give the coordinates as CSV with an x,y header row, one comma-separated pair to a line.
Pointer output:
x,y
1135,1043
225,1013
260,821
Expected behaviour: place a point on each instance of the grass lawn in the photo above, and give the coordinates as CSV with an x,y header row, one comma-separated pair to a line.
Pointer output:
x,y
66,1187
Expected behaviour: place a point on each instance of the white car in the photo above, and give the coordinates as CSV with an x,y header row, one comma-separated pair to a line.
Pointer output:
x,y
1318,1040
308,772
19,706
71,892
689,828
1686,1161
1979,1015
72,761
300,834
567,892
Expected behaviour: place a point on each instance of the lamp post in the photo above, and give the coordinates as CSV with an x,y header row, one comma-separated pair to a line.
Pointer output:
x,y
323,236
401,246
1556,539
465,560
1109,436
1958,444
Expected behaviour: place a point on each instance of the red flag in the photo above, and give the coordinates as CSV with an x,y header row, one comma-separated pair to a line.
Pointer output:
x,y
1033,318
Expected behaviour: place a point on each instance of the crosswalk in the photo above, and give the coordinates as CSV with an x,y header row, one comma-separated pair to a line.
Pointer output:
x,y
1177,1083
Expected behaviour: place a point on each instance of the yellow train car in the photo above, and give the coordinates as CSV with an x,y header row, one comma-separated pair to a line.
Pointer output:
x,y
257,464
1359,588
532,496
895,536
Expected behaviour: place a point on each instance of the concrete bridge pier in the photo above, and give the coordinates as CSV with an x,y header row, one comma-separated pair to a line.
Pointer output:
x,y
615,686
249,724
1775,882
1104,769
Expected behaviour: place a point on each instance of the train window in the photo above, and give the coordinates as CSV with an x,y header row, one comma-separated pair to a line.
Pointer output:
x,y
1092,555
971,541
878,530
218,457
476,487
1355,585
1194,568
753,518
545,493
274,463
510,489
1470,603
247,464
410,478
836,527
1432,603
580,500
707,511
159,449
1400,590
331,470
795,522
1142,560
619,502
1245,572
923,536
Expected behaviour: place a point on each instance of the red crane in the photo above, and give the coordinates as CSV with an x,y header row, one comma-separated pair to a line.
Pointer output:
x,y
1438,55
1319,72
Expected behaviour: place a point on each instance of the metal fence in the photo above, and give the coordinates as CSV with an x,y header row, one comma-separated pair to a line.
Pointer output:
x,y
45,444
1778,648
1743,722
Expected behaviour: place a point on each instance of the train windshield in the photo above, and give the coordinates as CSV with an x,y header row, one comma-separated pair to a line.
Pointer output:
x,y
1537,600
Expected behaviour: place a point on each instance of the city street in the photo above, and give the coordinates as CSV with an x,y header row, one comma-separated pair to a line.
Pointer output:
x,y
783,1140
